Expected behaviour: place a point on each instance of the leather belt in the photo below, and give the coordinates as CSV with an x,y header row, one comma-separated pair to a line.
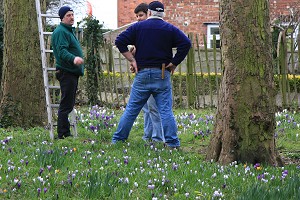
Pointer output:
x,y
150,67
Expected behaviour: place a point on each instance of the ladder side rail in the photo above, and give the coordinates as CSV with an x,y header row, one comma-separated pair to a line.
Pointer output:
x,y
44,67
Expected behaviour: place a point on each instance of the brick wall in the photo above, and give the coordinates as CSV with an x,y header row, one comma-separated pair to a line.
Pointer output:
x,y
283,8
126,11
194,15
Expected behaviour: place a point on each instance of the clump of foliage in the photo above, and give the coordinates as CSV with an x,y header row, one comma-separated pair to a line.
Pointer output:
x,y
93,39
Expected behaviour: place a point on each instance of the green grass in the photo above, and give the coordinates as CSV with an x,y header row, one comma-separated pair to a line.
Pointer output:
x,y
89,167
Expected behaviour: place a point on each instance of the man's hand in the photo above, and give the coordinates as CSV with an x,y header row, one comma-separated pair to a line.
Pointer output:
x,y
132,70
172,67
133,50
78,60
133,66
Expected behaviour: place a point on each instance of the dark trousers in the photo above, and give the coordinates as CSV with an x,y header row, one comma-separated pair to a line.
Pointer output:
x,y
68,87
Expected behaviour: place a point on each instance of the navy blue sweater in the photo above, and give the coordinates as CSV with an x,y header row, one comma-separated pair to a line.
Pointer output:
x,y
154,39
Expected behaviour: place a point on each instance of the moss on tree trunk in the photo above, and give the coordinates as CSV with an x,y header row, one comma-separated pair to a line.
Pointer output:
x,y
22,95
245,120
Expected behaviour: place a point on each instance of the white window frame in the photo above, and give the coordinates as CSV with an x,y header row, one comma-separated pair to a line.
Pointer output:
x,y
295,36
210,35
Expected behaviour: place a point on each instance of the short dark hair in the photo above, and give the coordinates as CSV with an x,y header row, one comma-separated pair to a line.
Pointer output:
x,y
141,7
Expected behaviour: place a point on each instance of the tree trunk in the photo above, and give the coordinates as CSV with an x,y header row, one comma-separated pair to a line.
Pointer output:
x,y
22,95
245,119
1,40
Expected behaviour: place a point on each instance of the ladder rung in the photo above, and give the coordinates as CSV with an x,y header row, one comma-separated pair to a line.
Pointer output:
x,y
49,16
54,105
54,87
51,69
71,124
47,33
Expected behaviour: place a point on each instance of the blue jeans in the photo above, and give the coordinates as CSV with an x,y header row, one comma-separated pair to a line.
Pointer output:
x,y
152,122
147,82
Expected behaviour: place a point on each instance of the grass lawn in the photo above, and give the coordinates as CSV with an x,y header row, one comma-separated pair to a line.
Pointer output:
x,y
89,167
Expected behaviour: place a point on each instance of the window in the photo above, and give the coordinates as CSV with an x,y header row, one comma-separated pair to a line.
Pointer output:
x,y
213,29
295,36
292,31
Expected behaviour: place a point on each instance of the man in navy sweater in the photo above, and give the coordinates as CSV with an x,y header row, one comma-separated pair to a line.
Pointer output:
x,y
152,122
154,40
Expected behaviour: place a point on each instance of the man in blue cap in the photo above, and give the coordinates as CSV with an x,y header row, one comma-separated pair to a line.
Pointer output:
x,y
152,121
154,40
69,66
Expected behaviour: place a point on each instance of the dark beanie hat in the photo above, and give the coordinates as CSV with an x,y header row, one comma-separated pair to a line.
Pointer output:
x,y
156,6
63,10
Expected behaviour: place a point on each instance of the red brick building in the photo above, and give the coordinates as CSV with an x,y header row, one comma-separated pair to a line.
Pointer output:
x,y
199,16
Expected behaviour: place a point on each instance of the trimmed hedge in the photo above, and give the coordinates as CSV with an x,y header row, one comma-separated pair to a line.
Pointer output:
x,y
202,82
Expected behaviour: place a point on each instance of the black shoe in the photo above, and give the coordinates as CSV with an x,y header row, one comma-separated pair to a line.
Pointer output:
x,y
58,138
69,135
63,137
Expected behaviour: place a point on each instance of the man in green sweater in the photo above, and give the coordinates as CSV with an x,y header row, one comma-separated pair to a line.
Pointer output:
x,y
69,66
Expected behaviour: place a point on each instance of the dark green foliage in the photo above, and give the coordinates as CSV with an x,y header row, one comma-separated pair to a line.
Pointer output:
x,y
286,190
100,185
51,157
92,41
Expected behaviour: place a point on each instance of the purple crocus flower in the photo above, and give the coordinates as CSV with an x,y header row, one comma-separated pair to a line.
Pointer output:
x,y
259,177
195,133
284,174
174,166
45,190
151,187
39,191
41,171
92,128
257,165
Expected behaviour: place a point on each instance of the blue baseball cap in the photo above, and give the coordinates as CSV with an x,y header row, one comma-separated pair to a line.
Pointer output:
x,y
156,6
63,10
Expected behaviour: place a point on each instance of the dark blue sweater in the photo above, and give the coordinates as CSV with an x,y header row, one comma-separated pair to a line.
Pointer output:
x,y
154,39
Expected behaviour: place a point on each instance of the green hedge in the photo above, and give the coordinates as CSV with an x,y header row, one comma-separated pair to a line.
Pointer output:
x,y
202,82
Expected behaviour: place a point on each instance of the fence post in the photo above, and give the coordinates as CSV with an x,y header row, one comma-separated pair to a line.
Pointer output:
x,y
215,66
283,67
190,75
202,83
208,71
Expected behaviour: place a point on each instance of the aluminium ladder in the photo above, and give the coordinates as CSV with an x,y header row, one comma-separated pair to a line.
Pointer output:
x,y
48,71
